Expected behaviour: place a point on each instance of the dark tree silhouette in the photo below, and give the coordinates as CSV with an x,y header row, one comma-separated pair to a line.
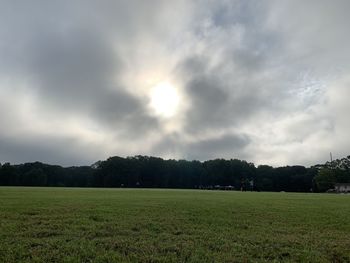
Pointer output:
x,y
148,171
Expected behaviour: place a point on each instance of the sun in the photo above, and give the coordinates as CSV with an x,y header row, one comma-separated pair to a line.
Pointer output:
x,y
164,99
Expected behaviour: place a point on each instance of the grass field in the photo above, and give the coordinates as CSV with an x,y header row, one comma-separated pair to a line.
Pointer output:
x,y
123,225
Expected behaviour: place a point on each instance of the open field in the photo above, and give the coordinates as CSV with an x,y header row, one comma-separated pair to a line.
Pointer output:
x,y
123,225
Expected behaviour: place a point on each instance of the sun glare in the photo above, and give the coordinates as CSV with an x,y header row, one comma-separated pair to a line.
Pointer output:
x,y
164,99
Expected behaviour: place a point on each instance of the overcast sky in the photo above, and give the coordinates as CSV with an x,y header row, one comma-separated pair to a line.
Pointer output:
x,y
265,81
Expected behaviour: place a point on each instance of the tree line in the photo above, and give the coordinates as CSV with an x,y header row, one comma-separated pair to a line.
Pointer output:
x,y
154,172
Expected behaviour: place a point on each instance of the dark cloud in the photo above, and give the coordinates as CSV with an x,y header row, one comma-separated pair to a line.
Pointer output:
x,y
227,146
218,146
209,104
223,100
48,149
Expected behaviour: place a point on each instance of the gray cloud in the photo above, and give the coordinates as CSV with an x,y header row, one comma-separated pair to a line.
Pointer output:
x,y
219,146
41,149
259,80
72,65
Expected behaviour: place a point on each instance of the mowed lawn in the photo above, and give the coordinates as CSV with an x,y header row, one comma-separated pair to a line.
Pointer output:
x,y
149,225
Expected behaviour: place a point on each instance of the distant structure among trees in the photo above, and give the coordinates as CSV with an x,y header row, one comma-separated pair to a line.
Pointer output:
x,y
342,187
146,172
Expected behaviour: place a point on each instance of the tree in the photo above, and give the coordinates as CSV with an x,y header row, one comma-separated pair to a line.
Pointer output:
x,y
325,179
8,175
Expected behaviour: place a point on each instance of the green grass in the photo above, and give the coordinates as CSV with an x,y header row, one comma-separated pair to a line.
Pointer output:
x,y
123,225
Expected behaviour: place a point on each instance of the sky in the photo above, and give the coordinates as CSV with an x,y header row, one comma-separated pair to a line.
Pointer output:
x,y
263,81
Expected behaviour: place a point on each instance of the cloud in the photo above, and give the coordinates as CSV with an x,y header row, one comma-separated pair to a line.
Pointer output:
x,y
264,81
220,146
40,149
